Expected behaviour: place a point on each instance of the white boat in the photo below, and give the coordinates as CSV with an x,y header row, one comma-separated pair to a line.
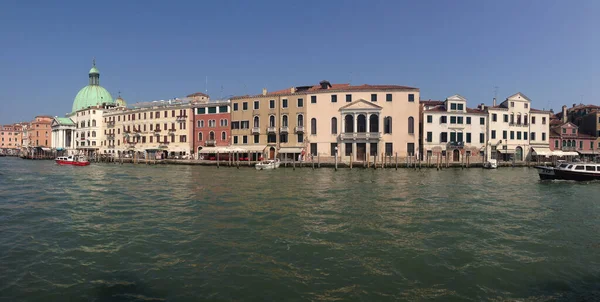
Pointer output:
x,y
491,164
268,165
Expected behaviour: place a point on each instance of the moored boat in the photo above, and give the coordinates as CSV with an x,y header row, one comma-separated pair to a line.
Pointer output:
x,y
268,165
570,171
72,161
491,164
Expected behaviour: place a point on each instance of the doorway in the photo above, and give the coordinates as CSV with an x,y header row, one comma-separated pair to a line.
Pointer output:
x,y
272,153
456,155
519,154
361,151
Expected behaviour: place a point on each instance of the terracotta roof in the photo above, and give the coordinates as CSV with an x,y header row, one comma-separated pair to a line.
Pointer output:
x,y
539,111
582,106
334,87
431,102
443,109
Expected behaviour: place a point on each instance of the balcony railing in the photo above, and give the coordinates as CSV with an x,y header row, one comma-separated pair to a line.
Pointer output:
x,y
456,145
255,130
210,142
271,129
110,136
181,118
299,129
82,138
163,144
111,124
157,130
569,148
284,129
172,130
518,124
360,135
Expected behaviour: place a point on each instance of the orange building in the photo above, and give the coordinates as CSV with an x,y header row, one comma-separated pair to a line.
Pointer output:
x,y
40,132
10,138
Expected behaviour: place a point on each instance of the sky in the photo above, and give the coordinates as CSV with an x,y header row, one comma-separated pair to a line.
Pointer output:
x,y
153,50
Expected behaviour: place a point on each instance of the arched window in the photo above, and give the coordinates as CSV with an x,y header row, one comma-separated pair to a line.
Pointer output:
x,y
349,123
361,123
200,136
272,121
411,125
373,123
313,126
300,120
211,136
223,136
564,143
512,118
284,121
256,122
333,125
518,119
88,134
93,133
88,123
387,125
93,123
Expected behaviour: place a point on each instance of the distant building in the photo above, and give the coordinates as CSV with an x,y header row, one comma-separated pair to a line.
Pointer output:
x,y
40,132
567,138
11,137
211,126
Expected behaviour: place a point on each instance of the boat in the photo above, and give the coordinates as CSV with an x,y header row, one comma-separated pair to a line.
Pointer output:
x,y
577,171
268,164
72,161
491,164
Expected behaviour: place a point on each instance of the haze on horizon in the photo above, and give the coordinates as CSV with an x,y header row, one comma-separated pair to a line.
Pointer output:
x,y
160,50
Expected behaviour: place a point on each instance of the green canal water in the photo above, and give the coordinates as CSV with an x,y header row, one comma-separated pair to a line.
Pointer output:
x,y
188,233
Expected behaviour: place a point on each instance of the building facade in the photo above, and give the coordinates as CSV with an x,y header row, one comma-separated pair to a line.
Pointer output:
x,y
451,131
11,138
567,138
40,132
211,125
516,131
63,134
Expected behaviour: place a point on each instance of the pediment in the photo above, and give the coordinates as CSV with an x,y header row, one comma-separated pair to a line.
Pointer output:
x,y
456,97
518,97
360,105
569,125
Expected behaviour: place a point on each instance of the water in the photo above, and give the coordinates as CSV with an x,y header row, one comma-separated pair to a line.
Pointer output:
x,y
181,233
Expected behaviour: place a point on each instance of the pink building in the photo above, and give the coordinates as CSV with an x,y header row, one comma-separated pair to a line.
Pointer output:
x,y
566,138
211,126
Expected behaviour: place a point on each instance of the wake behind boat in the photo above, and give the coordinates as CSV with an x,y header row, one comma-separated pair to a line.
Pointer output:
x,y
570,171
72,161
268,165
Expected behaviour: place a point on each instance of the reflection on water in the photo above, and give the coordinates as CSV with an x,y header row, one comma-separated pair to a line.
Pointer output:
x,y
181,233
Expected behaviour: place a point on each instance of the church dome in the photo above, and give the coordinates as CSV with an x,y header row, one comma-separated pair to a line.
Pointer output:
x,y
92,94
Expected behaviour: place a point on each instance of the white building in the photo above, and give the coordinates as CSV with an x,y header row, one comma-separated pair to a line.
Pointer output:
x,y
63,131
452,131
516,130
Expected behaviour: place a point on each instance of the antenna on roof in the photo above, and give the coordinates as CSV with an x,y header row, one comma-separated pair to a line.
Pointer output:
x,y
350,82
206,86
221,97
495,92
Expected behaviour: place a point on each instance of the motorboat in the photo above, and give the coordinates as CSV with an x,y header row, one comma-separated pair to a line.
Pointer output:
x,y
578,171
491,164
72,160
268,164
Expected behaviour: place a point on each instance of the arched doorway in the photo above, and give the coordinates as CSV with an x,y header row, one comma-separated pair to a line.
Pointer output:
x,y
456,155
349,123
272,153
519,154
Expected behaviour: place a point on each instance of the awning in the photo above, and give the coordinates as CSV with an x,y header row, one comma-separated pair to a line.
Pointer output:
x,y
542,151
210,150
506,151
46,149
565,153
589,152
60,149
252,148
290,150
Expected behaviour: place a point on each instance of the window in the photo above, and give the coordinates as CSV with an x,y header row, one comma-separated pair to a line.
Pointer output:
x,y
284,103
300,120
332,149
512,104
271,104
199,136
525,135
544,136
313,126
452,106
256,105
443,119
235,139
223,136
429,119
533,119
348,98
334,98
411,125
543,120
284,121
481,121
512,135
591,145
283,138
493,134
410,147
518,135
574,131
556,144
313,99
235,106
333,125
244,107
271,121
444,137
387,125
468,137
452,136
504,134
223,109
300,137
244,139
506,118
256,138
580,144
245,125
271,138
235,125
460,120
388,97
494,117
300,103
389,149
580,167
453,120
256,122
429,137
532,136
313,149
374,97
411,97
481,138
564,130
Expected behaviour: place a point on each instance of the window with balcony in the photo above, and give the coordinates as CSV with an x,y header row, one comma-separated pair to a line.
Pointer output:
x,y
256,122
271,121
333,125
284,120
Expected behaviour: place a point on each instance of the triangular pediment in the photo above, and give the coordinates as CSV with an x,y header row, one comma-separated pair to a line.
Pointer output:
x,y
569,125
456,97
518,96
62,121
360,105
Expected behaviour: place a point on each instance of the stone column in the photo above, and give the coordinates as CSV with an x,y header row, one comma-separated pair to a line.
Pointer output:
x,y
367,118
355,122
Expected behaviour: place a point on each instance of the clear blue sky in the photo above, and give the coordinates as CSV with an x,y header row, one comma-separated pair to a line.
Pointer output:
x,y
153,50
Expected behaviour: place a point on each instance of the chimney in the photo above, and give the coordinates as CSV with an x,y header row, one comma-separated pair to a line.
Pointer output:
x,y
574,105
482,106
325,84
264,91
494,103
293,90
564,113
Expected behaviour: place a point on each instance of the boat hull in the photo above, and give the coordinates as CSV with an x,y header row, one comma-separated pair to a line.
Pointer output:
x,y
72,163
576,176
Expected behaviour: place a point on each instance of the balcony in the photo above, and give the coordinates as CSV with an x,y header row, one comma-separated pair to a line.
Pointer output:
x,y
455,145
570,148
210,143
518,124
110,136
181,118
172,130
360,136
271,129
156,130
82,138
284,129
163,145
110,124
111,146
255,130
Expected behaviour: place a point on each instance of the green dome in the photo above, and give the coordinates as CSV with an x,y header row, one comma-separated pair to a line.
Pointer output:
x,y
94,70
91,95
